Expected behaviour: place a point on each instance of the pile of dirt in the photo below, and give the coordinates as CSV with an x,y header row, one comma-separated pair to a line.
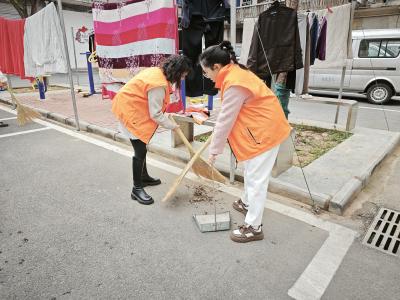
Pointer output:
x,y
201,194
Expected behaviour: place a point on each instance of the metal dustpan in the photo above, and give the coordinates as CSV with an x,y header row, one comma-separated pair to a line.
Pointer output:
x,y
213,222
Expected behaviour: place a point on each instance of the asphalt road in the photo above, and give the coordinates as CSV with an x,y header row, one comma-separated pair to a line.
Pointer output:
x,y
69,230
384,117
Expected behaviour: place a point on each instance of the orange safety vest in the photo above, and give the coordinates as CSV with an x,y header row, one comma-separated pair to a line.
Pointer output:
x,y
131,104
261,124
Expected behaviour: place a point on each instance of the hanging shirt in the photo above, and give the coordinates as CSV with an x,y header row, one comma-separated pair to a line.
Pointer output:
x,y
210,10
44,51
314,38
321,44
278,30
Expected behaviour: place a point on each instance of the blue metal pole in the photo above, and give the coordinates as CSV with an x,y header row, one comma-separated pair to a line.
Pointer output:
x,y
210,102
183,94
90,73
41,88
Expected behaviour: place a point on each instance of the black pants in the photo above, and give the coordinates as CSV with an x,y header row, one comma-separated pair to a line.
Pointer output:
x,y
140,149
196,83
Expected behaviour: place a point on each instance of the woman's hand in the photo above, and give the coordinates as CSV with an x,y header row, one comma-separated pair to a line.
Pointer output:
x,y
212,158
176,128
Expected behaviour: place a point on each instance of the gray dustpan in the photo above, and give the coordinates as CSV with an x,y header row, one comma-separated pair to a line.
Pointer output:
x,y
213,222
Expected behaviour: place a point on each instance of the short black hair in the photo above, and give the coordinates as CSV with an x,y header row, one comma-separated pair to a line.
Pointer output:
x,y
174,67
222,54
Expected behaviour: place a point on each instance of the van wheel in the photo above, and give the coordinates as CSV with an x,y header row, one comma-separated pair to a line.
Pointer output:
x,y
379,93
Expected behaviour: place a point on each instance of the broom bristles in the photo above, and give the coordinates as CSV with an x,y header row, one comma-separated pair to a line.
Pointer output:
x,y
24,114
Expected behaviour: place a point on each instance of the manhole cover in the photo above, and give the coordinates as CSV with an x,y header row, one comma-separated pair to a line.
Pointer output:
x,y
384,232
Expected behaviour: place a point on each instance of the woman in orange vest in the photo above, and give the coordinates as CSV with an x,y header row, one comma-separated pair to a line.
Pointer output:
x,y
253,122
139,107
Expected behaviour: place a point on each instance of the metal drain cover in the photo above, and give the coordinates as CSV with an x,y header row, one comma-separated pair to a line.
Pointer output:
x,y
384,232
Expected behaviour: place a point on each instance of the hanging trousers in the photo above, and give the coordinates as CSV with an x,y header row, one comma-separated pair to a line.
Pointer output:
x,y
196,83
257,172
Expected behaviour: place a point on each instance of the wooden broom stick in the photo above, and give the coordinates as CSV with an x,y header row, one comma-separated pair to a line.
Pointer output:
x,y
174,187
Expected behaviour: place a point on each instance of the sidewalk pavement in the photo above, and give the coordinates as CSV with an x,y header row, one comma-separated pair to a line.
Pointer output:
x,y
334,179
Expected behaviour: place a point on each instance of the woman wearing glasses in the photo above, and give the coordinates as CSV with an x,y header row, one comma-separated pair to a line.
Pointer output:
x,y
253,122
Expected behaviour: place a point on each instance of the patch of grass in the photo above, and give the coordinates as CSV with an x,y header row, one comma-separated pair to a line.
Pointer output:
x,y
311,142
202,137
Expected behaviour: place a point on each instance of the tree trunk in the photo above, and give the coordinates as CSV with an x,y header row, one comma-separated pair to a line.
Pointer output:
x,y
21,6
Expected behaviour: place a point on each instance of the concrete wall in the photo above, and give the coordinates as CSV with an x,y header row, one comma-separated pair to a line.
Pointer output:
x,y
377,22
378,16
77,20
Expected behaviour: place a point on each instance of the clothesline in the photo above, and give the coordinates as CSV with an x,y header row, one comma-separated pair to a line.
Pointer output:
x,y
253,11
319,4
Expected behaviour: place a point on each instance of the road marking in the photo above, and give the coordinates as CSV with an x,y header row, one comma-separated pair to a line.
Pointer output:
x,y
381,109
315,279
6,119
23,132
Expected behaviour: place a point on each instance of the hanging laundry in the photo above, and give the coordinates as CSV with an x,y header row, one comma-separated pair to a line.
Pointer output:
x,y
321,44
44,51
307,59
314,37
338,37
12,47
302,21
131,35
201,18
278,30
248,30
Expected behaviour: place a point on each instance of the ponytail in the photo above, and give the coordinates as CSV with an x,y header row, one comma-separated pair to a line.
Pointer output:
x,y
222,54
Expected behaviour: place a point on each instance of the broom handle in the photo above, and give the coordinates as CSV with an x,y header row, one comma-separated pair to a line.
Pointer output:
x,y
182,136
186,169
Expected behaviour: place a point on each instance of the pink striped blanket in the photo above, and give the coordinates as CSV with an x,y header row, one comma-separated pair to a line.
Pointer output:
x,y
131,35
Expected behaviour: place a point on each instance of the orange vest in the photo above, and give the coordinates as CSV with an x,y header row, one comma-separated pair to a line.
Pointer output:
x,y
131,104
261,124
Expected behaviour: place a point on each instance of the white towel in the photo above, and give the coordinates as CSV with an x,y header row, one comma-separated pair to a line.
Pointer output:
x,y
43,44
302,21
338,48
248,29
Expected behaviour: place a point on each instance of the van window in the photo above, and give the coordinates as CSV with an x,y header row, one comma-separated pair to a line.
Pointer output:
x,y
379,48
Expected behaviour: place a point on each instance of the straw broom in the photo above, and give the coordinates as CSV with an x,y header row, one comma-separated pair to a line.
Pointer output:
x,y
200,166
24,114
178,180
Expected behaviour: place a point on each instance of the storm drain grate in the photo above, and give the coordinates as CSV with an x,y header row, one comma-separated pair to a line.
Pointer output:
x,y
384,232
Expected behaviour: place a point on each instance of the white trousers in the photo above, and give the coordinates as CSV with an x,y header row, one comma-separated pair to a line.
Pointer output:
x,y
257,172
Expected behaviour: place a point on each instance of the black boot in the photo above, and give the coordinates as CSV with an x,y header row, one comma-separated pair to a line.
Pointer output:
x,y
138,193
147,179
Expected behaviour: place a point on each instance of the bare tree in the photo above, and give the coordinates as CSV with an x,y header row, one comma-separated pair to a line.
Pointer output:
x,y
26,8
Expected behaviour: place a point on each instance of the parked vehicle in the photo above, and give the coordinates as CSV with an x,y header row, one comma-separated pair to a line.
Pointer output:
x,y
374,70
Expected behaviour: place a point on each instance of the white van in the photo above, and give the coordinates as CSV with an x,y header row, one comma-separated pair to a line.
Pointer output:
x,y
374,70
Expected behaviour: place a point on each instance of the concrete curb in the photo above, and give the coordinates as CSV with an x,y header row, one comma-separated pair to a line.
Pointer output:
x,y
294,192
343,198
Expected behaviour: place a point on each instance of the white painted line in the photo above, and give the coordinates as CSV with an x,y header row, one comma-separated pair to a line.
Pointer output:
x,y
318,274
23,132
6,119
381,109
316,277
